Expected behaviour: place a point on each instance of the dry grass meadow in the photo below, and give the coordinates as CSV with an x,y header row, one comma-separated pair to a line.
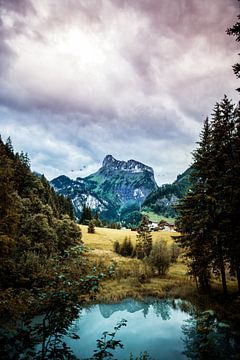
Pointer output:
x,y
104,238
133,277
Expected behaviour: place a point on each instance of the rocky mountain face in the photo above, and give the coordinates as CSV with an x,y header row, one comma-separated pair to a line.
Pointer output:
x,y
116,187
163,200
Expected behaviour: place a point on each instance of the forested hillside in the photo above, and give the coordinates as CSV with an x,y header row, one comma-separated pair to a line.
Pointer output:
x,y
163,201
36,224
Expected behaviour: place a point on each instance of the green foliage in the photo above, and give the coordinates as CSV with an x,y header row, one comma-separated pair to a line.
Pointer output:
x,y
86,215
174,251
112,225
141,356
108,343
126,248
160,257
116,247
68,233
129,214
44,338
97,221
163,200
209,213
35,222
91,227
144,239
207,338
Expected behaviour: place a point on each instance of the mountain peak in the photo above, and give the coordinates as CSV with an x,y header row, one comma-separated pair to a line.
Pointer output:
x,y
117,184
108,161
132,166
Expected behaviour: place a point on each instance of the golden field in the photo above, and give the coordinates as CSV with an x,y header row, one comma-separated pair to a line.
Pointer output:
x,y
133,277
104,238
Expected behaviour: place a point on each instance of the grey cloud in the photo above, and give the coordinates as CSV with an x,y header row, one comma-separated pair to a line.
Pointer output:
x,y
17,6
165,32
134,78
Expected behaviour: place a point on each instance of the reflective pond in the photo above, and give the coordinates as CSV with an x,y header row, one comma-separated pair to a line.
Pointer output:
x,y
165,329
154,326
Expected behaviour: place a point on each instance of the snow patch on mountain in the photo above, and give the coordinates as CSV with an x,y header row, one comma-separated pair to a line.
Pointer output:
x,y
138,193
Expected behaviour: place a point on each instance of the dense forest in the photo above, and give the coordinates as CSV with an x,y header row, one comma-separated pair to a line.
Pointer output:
x,y
35,223
41,264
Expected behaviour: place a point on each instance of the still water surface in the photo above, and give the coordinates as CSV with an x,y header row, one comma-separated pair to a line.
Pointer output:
x,y
154,326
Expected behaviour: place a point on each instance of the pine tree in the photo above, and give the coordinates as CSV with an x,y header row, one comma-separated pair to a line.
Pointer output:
x,y
86,215
144,239
220,180
232,194
193,221
209,213
91,227
97,220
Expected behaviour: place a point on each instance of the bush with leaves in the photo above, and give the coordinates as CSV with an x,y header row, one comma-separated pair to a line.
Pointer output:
x,y
124,249
91,227
116,247
108,342
160,257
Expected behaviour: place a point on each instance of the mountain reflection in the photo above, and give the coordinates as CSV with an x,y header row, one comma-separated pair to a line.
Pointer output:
x,y
161,308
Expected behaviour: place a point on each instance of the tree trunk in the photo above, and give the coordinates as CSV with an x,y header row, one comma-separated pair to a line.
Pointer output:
x,y
222,267
238,278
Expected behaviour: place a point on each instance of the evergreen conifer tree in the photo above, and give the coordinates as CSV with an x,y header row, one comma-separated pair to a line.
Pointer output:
x,y
193,221
91,227
144,239
86,215
210,211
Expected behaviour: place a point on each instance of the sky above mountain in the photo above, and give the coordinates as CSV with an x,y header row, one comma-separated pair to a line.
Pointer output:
x,y
80,79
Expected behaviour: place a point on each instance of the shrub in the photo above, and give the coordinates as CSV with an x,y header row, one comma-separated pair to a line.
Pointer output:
x,y
91,227
160,257
124,249
116,247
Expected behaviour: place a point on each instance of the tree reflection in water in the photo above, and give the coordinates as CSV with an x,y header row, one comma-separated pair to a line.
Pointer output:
x,y
207,338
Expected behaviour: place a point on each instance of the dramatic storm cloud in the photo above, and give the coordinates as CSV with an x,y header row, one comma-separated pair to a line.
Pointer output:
x,y
80,79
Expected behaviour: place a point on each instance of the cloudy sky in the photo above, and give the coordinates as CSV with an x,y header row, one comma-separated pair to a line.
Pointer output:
x,y
80,79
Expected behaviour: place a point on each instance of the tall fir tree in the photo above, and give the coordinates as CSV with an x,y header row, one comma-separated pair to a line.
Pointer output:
x,y
232,189
86,215
193,221
144,239
208,214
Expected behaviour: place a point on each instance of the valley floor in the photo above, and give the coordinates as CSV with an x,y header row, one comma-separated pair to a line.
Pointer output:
x,y
133,278
125,278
